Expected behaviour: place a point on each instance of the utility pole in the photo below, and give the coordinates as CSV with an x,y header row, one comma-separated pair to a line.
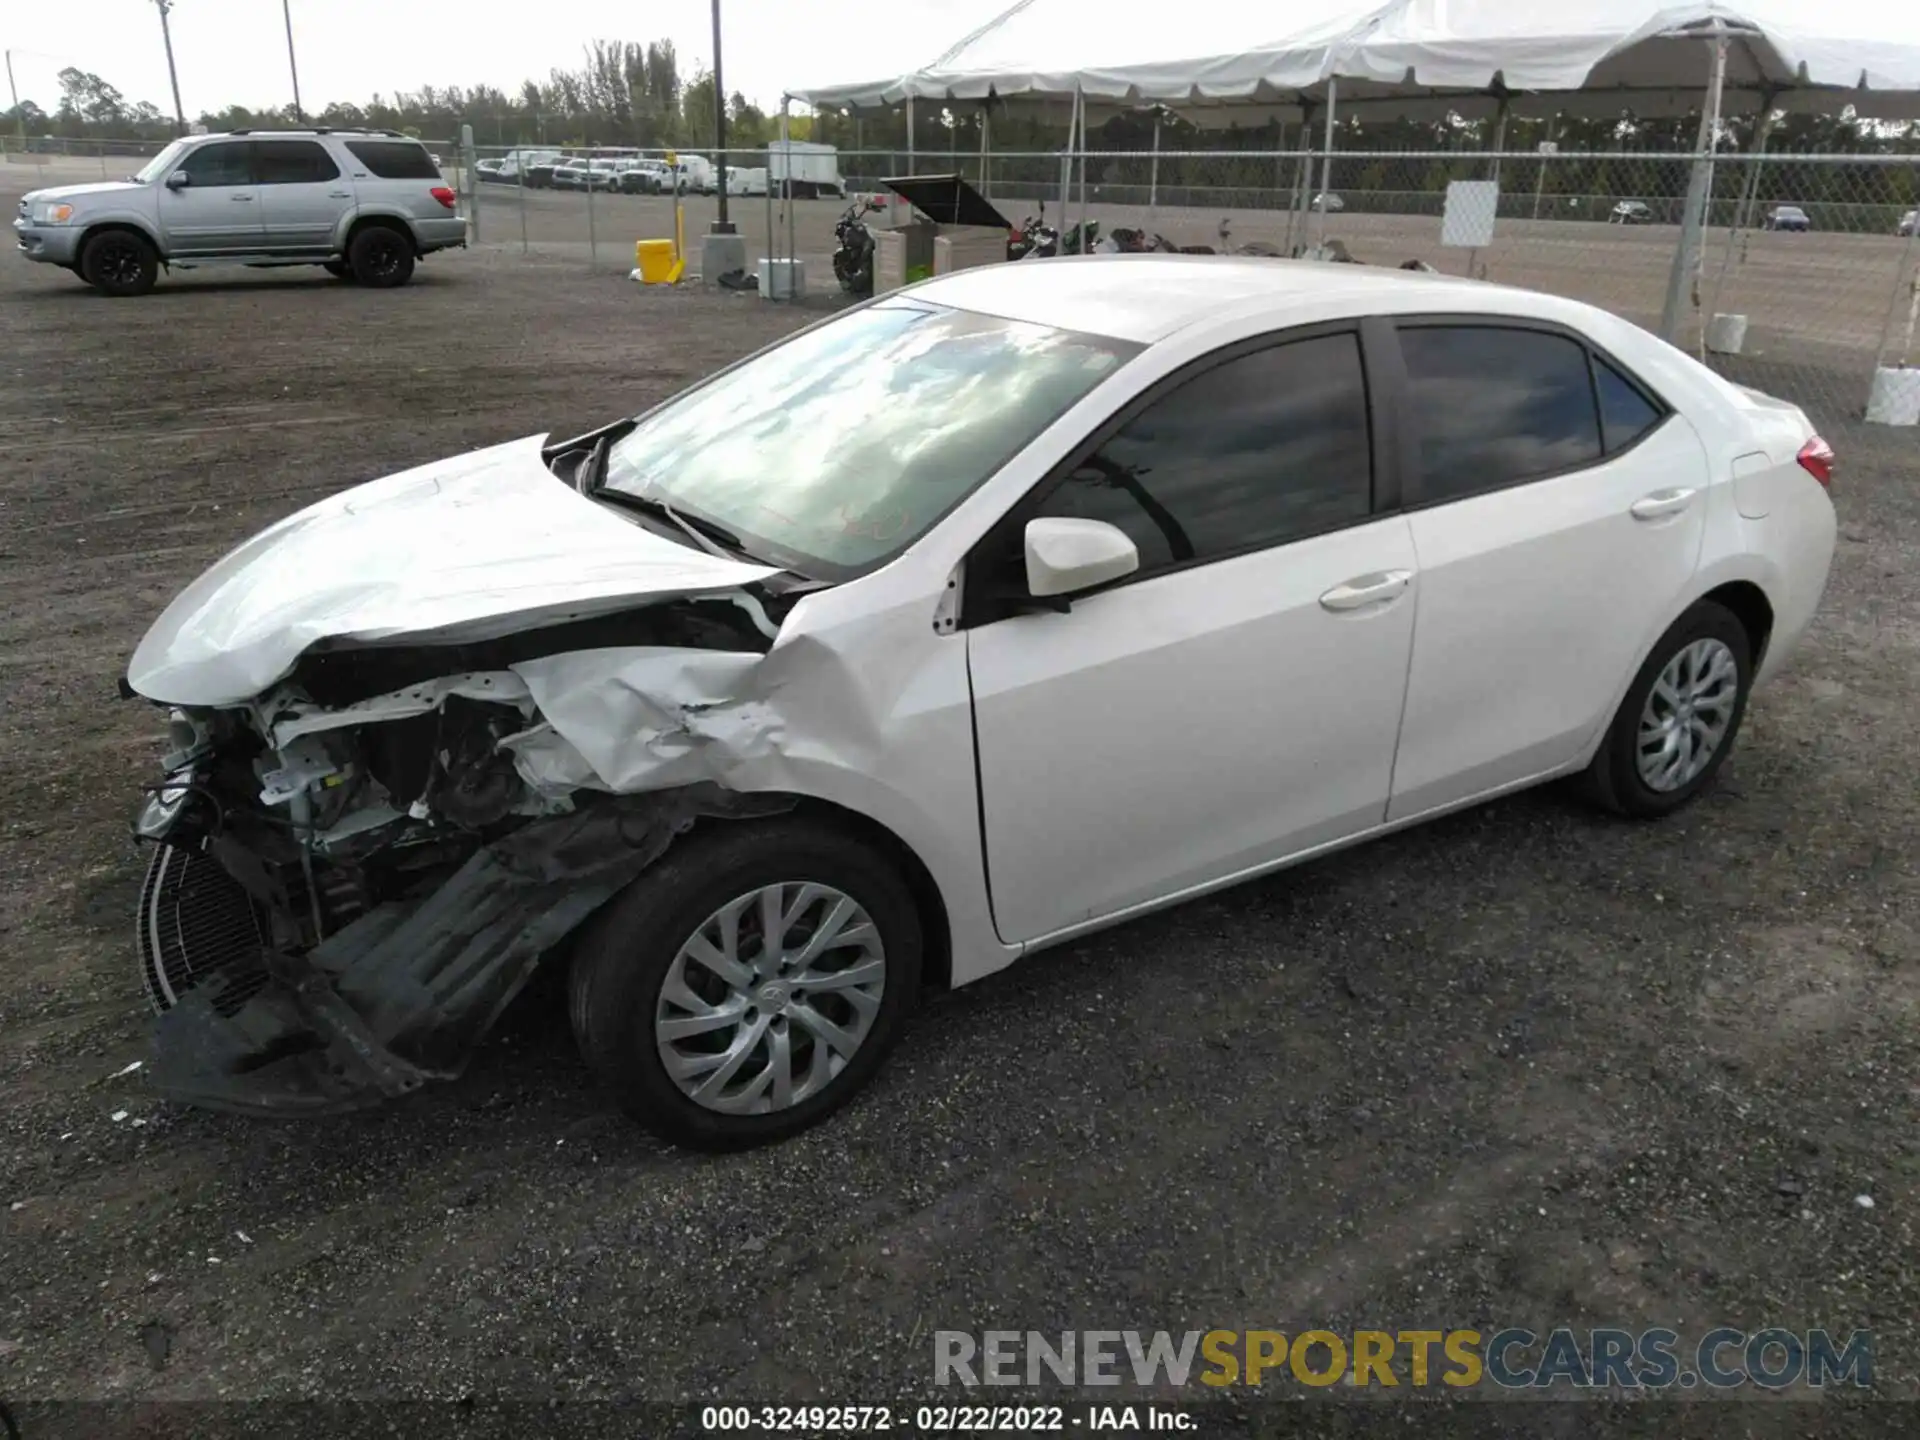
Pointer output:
x,y
19,115
286,11
179,110
721,226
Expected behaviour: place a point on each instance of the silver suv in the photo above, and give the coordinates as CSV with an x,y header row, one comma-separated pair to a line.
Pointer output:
x,y
365,204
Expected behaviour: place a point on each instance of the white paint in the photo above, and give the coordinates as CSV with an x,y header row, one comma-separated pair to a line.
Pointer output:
x,y
1726,334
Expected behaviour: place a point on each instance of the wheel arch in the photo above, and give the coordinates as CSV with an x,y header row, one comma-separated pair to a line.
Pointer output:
x,y
384,219
120,223
1751,607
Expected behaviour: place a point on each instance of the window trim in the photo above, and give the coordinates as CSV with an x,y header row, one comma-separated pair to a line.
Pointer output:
x,y
1413,466
1379,360
257,156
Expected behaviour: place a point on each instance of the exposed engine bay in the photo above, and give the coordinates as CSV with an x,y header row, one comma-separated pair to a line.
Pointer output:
x,y
355,872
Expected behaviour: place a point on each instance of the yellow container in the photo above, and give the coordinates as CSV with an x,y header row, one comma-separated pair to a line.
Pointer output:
x,y
654,260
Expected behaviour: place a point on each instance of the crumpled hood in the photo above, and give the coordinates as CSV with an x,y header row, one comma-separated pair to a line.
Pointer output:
x,y
80,191
468,548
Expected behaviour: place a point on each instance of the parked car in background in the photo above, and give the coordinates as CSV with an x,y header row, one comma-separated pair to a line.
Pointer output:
x,y
493,172
645,177
1174,573
1630,212
1787,217
1909,222
570,175
1329,202
364,204
604,174
539,173
697,174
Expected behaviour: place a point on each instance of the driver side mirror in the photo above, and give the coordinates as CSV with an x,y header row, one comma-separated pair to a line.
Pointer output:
x,y
1065,555
179,180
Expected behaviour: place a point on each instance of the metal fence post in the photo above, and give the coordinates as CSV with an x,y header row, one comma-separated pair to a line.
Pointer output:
x,y
520,184
470,180
593,233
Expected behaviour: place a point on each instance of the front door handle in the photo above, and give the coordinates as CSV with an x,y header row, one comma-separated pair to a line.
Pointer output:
x,y
1662,503
241,199
1365,590
339,194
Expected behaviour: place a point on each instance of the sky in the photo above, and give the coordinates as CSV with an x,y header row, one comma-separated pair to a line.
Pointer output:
x,y
235,51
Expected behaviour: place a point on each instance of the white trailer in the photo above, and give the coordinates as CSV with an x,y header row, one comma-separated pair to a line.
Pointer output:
x,y
804,169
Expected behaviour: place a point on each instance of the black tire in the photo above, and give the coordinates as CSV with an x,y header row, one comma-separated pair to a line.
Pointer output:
x,y
1613,780
119,263
339,269
381,257
623,958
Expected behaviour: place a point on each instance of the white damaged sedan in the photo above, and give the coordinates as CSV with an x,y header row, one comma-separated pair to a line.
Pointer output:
x,y
981,616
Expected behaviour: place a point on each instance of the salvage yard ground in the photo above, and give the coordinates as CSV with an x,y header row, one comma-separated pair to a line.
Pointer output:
x,y
1525,1066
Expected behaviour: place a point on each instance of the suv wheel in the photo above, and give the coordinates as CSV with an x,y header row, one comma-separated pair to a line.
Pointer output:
x,y
750,983
119,262
1678,723
381,257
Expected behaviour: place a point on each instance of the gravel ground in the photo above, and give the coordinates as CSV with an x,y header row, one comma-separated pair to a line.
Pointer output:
x,y
1524,1066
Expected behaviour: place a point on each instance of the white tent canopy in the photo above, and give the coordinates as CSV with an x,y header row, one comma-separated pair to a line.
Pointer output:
x,y
1427,57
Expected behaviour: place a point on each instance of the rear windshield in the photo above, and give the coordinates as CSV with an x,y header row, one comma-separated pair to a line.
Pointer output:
x,y
395,159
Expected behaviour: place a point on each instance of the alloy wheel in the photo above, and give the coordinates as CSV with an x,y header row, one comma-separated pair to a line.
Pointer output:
x,y
770,998
1687,715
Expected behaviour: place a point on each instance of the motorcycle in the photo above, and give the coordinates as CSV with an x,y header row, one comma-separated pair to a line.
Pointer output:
x,y
853,257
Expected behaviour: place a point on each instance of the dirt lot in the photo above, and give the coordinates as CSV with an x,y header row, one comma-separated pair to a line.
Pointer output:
x,y
1522,1067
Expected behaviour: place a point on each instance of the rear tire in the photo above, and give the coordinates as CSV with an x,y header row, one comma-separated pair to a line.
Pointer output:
x,y
1679,720
119,263
381,257
636,998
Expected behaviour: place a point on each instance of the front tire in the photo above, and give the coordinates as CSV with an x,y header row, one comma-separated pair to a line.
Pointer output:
x,y
119,263
1678,722
381,257
714,1038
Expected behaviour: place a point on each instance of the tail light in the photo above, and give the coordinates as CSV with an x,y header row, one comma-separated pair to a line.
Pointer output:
x,y
443,195
1816,458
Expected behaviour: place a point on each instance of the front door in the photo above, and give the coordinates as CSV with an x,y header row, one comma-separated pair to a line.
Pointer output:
x,y
1559,514
303,195
217,208
1235,701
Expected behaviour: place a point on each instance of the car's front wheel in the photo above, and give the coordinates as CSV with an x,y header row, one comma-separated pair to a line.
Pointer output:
x,y
119,263
750,983
1680,717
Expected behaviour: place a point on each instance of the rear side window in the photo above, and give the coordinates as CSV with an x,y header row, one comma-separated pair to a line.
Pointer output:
x,y
1625,413
224,163
1494,406
292,162
1267,448
394,159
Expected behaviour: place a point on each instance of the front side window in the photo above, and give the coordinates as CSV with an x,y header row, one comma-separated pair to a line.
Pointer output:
x,y
226,163
833,452
1267,448
161,164
1494,406
292,162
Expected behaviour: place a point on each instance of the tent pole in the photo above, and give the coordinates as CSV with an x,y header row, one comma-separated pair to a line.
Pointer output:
x,y
1153,174
1326,169
1300,170
1743,208
1540,173
1081,95
985,121
1686,255
911,166
1499,139
786,144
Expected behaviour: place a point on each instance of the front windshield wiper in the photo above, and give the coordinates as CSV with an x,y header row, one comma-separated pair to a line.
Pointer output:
x,y
709,535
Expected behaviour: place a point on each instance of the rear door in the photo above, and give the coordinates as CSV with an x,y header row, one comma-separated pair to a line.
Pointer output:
x,y
217,209
303,195
1558,509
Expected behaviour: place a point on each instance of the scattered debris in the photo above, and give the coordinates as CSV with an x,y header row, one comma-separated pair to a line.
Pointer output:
x,y
9,1347
243,1237
128,1070
118,1116
1865,1202
17,1205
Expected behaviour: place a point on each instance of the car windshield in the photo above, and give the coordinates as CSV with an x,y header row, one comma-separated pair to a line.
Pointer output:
x,y
833,452
160,164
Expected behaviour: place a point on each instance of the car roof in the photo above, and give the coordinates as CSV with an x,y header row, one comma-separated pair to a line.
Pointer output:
x,y
1145,298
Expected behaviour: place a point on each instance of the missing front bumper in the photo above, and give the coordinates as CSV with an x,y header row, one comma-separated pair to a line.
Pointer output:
x,y
401,995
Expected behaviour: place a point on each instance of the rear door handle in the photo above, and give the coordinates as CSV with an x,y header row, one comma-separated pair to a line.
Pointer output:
x,y
339,194
1662,503
1364,590
241,199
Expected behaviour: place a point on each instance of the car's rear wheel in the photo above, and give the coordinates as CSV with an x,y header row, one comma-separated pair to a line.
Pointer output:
x,y
750,983
119,263
381,257
1678,722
